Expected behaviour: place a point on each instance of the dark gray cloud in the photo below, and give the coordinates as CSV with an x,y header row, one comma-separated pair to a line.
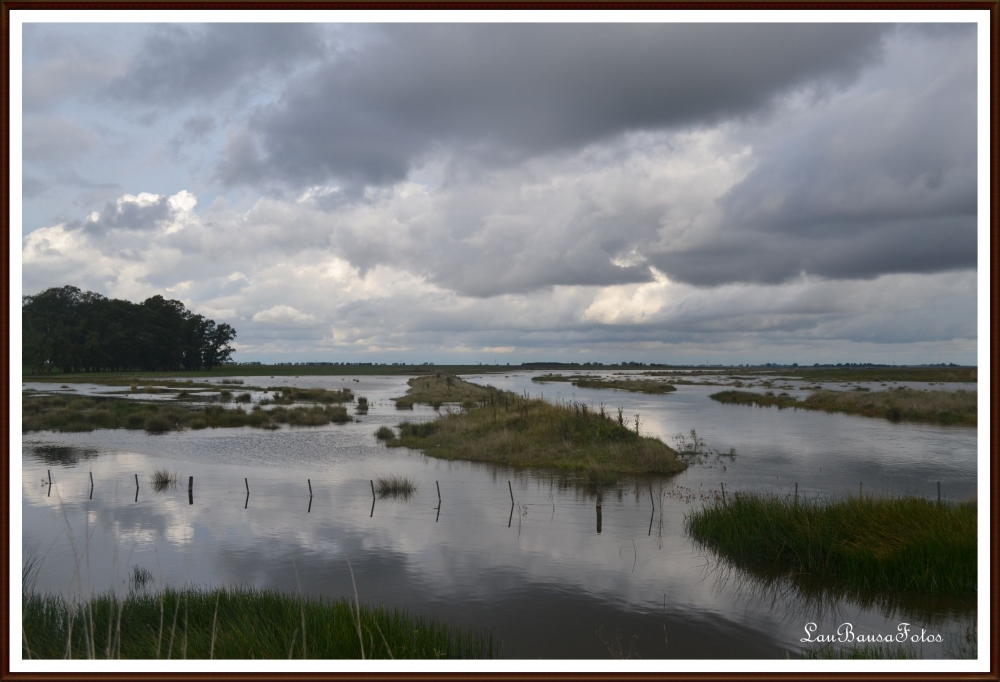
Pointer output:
x,y
143,215
506,91
881,181
178,63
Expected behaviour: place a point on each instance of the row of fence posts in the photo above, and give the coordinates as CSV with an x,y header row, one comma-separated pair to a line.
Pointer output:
x,y
510,488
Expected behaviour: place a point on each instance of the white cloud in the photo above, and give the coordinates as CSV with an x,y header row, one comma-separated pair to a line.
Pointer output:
x,y
284,315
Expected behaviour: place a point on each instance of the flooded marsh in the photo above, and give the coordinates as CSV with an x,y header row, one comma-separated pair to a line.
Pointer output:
x,y
549,564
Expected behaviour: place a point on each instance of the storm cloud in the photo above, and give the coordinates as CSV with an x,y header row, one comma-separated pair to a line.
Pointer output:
x,y
571,191
503,92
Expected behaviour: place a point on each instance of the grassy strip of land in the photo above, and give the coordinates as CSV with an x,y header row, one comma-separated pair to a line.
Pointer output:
x,y
233,624
906,544
505,428
75,414
901,404
237,370
440,388
636,385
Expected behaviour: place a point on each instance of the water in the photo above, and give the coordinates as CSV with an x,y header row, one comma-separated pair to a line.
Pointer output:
x,y
547,575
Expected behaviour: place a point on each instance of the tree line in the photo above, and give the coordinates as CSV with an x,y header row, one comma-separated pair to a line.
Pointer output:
x,y
71,330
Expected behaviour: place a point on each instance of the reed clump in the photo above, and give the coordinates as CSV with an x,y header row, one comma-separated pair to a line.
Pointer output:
x,y
396,487
508,429
900,404
385,433
865,543
237,623
162,479
362,407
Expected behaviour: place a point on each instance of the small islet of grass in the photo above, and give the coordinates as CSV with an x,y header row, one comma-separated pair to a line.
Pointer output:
x,y
906,544
511,430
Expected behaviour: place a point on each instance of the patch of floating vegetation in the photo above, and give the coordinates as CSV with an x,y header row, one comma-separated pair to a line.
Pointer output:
x,y
66,413
635,385
899,404
512,430
286,395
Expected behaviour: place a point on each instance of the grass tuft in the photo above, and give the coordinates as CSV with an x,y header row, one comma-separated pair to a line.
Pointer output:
x,y
385,433
396,487
162,479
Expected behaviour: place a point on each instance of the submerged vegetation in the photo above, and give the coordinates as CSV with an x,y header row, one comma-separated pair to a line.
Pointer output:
x,y
636,385
70,413
233,624
505,428
899,404
906,544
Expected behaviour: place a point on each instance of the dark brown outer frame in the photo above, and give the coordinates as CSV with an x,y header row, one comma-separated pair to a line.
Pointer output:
x,y
993,7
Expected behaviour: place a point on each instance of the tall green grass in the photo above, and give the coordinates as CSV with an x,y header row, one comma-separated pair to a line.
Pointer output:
x,y
901,404
907,544
233,624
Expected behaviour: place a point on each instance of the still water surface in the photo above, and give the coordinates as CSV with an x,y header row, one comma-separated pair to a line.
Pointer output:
x,y
547,574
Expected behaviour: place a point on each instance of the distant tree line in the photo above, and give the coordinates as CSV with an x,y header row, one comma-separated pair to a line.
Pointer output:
x,y
71,330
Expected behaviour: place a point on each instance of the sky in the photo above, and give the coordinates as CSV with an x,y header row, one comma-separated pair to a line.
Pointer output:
x,y
504,193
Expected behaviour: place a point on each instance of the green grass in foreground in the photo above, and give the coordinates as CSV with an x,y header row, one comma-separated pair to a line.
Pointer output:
x,y
635,385
907,544
508,429
864,652
900,404
69,413
235,624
